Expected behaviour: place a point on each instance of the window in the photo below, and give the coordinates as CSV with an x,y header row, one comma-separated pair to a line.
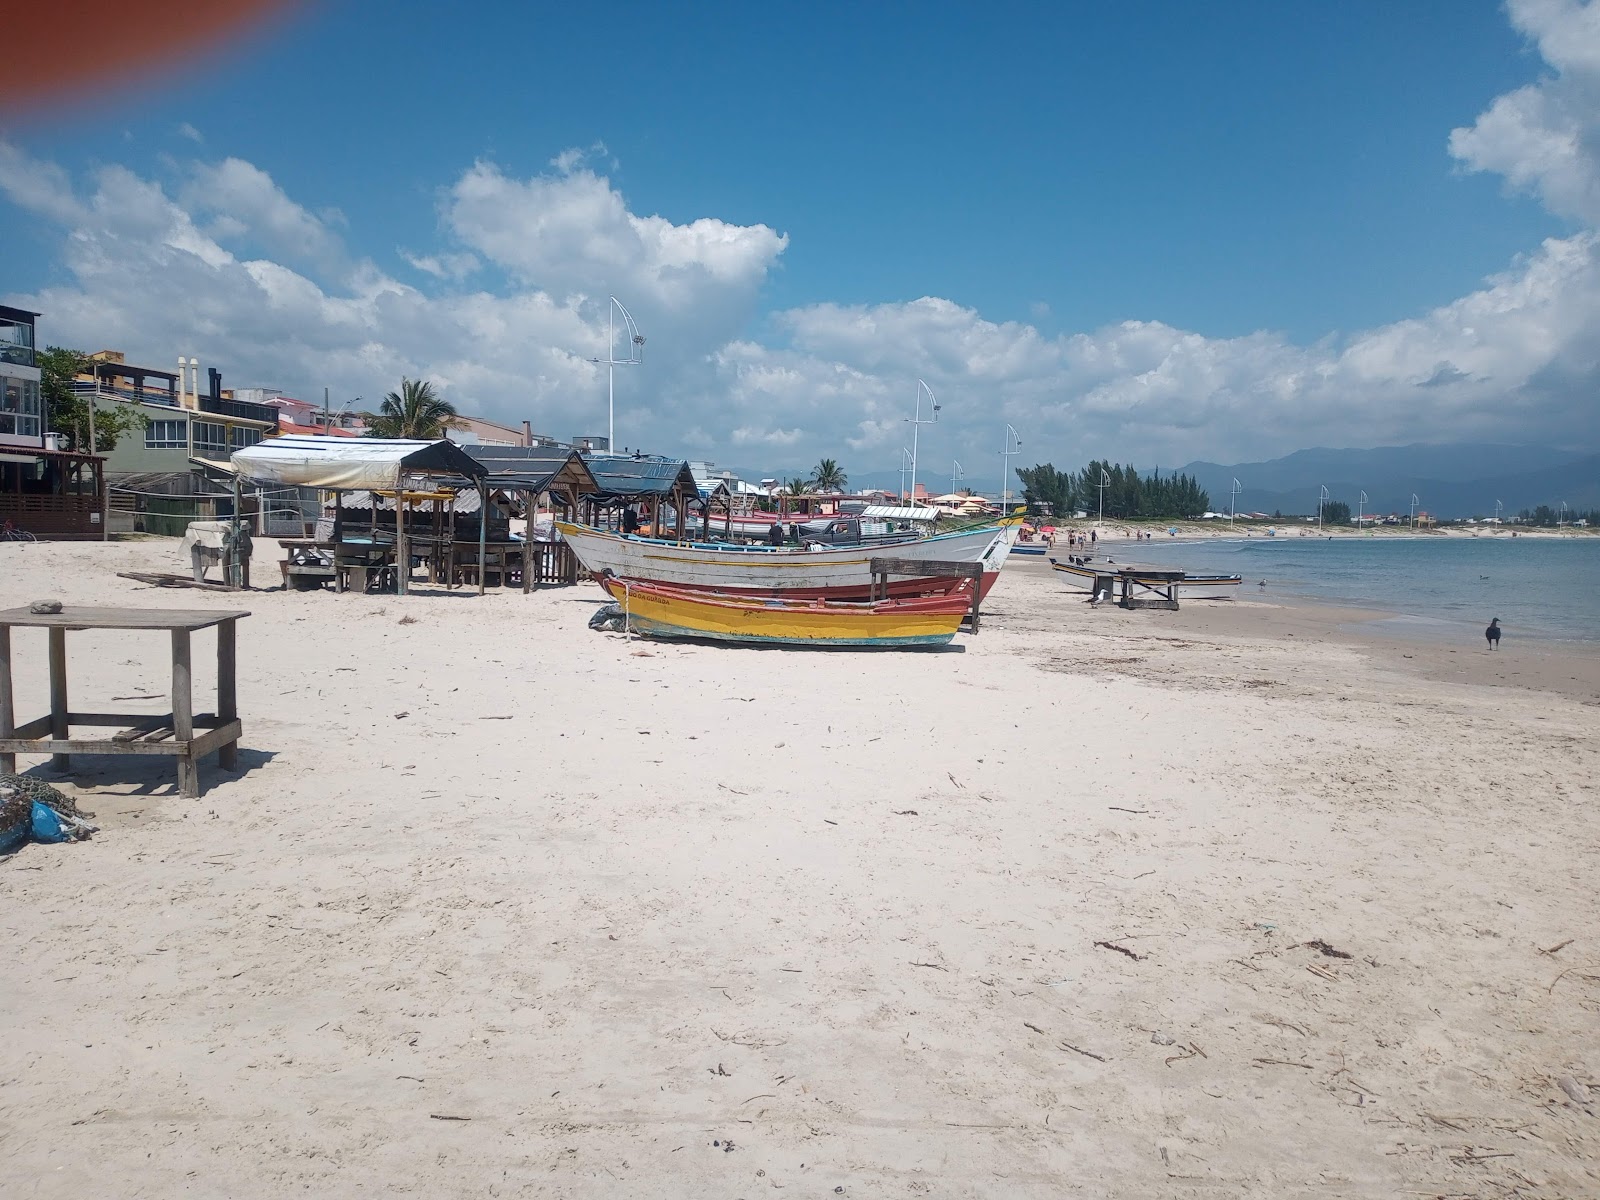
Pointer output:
x,y
166,435
240,437
19,406
210,435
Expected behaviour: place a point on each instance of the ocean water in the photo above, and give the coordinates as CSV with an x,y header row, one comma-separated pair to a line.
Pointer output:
x,y
1546,588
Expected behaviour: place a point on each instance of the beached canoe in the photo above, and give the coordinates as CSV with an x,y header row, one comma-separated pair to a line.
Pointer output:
x,y
838,573
1190,587
659,611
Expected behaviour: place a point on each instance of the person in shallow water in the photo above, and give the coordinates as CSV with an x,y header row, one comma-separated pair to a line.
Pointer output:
x,y
1493,634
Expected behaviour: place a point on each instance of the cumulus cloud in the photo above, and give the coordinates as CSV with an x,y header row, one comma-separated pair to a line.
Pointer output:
x,y
517,291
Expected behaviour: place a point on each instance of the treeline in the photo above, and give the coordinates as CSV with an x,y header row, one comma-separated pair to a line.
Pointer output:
x,y
1546,517
1128,494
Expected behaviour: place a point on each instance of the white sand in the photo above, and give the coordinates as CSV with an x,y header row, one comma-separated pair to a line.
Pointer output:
x,y
840,909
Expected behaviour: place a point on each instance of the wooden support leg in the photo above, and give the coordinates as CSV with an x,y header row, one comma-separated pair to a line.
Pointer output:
x,y
8,704
58,695
183,715
227,694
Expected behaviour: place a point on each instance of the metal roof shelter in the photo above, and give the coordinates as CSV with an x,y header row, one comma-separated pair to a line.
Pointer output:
x,y
338,464
536,469
643,478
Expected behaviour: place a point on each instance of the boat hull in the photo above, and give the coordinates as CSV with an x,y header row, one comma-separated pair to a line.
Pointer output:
x,y
836,574
1191,587
666,612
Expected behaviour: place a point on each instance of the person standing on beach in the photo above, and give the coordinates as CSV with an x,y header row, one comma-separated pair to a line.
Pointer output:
x,y
1094,538
1492,634
630,520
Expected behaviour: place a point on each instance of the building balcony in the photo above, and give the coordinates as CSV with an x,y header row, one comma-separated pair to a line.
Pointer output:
x,y
242,409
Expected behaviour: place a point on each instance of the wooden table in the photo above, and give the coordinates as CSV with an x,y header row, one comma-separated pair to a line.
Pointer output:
x,y
173,734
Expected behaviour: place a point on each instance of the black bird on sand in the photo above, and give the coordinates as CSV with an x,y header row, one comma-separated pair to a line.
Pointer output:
x,y
1493,634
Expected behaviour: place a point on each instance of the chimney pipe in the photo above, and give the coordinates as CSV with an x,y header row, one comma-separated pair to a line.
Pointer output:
x,y
527,433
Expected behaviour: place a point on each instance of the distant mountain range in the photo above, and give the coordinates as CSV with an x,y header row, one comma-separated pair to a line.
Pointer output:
x,y
1449,481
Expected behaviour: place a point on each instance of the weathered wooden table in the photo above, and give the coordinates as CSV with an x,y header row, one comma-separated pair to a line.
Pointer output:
x,y
173,734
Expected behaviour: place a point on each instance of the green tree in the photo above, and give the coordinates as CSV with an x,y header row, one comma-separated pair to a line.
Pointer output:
x,y
1335,512
797,487
415,411
1043,484
828,477
67,413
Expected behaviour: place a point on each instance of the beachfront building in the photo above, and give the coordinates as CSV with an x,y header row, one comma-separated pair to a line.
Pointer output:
x,y
181,422
21,409
45,490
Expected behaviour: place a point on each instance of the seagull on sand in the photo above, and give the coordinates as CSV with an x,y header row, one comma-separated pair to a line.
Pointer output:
x,y
1493,634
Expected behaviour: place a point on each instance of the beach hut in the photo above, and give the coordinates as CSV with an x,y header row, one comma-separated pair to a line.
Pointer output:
x,y
396,466
658,482
532,472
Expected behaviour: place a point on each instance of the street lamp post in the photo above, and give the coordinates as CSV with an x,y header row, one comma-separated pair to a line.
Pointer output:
x,y
905,465
916,428
1010,444
1361,509
1414,503
612,362
956,473
1322,498
1105,482
1498,505
1233,501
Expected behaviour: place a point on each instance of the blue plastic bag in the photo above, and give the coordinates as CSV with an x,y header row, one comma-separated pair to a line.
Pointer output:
x,y
47,825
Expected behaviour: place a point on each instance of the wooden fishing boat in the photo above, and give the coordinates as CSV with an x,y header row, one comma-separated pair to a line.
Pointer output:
x,y
1191,587
656,610
834,573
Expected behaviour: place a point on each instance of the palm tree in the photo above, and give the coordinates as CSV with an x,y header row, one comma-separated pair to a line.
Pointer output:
x,y
828,477
796,487
415,411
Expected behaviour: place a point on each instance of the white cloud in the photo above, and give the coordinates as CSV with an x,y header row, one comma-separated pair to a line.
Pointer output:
x,y
443,266
188,131
229,266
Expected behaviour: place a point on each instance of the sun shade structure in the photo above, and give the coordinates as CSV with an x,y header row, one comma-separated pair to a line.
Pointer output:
x,y
367,465
351,464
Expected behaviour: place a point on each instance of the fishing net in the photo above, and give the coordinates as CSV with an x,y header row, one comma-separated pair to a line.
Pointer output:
x,y
18,792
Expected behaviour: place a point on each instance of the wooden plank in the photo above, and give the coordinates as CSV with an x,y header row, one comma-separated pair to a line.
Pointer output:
x,y
8,701
183,714
163,579
149,725
94,617
36,728
227,687
925,567
58,694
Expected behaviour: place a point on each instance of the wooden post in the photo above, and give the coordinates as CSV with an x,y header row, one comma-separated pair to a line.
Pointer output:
x,y
227,689
402,552
8,703
58,695
103,488
183,714
530,502
483,535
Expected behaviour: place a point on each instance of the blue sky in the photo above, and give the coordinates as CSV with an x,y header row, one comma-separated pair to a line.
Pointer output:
x,y
1155,231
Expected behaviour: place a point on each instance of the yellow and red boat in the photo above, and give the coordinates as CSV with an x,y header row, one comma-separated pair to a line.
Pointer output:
x,y
663,611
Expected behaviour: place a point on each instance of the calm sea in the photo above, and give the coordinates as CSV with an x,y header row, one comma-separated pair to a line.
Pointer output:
x,y
1538,587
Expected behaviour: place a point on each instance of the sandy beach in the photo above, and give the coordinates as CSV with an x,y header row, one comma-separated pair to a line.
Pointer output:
x,y
1244,900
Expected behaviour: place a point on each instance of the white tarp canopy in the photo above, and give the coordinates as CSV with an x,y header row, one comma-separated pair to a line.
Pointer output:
x,y
894,512
351,464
